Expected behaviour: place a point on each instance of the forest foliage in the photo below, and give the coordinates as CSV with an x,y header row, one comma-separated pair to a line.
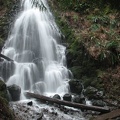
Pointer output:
x,y
83,5
92,34
100,22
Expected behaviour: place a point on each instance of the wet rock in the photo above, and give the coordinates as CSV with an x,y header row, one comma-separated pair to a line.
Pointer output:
x,y
56,96
67,97
99,103
75,86
56,105
45,110
15,92
54,113
30,103
79,99
66,111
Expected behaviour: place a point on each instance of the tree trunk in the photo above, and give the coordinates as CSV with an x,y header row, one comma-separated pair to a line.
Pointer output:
x,y
5,57
66,103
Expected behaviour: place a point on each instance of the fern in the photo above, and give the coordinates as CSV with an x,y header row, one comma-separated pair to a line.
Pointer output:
x,y
112,44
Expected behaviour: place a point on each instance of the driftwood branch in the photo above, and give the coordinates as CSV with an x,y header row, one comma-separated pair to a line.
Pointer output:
x,y
66,103
5,57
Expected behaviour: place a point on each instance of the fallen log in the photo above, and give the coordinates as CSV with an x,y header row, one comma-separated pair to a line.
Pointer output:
x,y
108,116
66,103
5,57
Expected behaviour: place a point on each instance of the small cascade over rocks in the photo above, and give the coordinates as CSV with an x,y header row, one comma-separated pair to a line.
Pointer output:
x,y
34,45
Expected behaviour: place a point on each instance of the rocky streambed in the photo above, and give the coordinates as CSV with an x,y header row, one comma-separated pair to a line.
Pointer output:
x,y
31,110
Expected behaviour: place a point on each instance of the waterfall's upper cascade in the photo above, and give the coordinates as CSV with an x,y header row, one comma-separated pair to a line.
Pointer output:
x,y
33,45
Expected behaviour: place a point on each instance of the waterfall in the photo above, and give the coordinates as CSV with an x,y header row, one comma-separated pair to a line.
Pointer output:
x,y
34,45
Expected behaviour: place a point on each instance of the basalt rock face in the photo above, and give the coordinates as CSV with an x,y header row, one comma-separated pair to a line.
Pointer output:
x,y
8,10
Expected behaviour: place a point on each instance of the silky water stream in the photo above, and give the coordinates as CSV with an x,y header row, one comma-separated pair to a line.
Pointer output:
x,y
39,58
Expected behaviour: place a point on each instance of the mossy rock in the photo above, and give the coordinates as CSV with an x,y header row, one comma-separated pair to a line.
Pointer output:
x,y
75,86
90,92
3,90
5,112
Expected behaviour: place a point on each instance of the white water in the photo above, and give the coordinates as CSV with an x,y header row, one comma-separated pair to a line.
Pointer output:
x,y
40,64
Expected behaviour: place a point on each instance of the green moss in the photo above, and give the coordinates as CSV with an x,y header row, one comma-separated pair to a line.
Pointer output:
x,y
5,112
65,29
77,71
86,81
3,90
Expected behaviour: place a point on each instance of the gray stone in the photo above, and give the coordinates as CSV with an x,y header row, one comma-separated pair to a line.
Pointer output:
x,y
67,97
56,96
99,103
15,92
79,99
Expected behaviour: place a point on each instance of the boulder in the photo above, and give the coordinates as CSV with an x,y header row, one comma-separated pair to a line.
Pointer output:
x,y
75,86
90,92
79,99
56,96
67,97
15,92
99,103
93,93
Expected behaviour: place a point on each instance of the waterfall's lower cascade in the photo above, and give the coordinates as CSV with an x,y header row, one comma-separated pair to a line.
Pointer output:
x,y
39,60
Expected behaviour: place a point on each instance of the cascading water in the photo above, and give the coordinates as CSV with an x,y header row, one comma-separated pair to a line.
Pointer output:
x,y
39,59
